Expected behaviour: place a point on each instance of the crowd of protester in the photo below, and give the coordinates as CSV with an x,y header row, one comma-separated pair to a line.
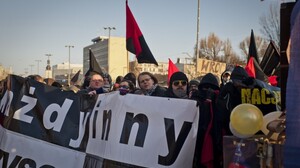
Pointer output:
x,y
215,100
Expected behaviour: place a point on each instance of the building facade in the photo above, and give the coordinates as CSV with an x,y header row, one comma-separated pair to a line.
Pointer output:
x,y
60,71
110,53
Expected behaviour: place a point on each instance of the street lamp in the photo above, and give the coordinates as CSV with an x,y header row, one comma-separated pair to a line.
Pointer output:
x,y
38,66
197,36
69,74
108,44
31,65
109,29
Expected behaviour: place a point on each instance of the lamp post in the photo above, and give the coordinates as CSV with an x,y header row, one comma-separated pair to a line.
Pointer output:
x,y
197,36
31,65
109,29
69,73
38,66
108,44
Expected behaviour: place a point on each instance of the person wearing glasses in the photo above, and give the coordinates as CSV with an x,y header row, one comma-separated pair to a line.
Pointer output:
x,y
148,84
95,85
178,86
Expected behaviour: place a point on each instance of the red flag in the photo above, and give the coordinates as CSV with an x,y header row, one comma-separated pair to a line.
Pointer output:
x,y
135,42
250,69
171,69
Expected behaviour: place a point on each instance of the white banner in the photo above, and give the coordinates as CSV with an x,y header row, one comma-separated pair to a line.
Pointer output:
x,y
23,151
167,136
42,126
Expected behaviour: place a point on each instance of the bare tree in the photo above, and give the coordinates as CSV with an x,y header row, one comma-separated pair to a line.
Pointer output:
x,y
270,24
228,51
211,47
261,46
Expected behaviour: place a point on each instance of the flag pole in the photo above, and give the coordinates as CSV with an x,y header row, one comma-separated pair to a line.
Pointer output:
x,y
197,37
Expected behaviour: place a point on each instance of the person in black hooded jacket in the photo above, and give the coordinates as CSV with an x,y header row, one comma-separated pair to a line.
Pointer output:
x,y
208,150
245,89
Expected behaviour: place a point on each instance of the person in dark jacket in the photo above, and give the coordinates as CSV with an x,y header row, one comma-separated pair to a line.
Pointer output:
x,y
178,86
208,150
245,89
148,84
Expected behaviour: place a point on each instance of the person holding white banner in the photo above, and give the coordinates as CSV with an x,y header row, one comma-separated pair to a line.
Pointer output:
x,y
178,86
95,86
148,84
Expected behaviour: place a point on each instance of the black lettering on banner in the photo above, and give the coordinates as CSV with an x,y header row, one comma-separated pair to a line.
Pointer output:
x,y
4,157
217,67
18,161
94,124
30,163
106,124
142,121
204,65
6,102
212,67
174,145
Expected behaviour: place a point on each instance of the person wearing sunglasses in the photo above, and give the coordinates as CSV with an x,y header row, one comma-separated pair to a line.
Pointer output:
x,y
148,84
178,86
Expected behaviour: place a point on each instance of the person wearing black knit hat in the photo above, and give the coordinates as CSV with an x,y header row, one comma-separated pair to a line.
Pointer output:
x,y
178,86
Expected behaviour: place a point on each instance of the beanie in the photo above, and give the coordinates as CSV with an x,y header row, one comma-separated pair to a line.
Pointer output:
x,y
178,76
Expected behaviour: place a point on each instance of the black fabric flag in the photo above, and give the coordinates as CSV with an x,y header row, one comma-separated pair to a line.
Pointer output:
x,y
94,66
135,42
253,69
75,77
252,48
271,60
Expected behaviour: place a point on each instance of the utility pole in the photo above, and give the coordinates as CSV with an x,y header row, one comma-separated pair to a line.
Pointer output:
x,y
38,66
69,70
108,45
197,38
31,65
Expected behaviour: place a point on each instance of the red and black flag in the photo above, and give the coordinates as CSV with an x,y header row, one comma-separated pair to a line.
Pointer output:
x,y
94,66
253,69
135,42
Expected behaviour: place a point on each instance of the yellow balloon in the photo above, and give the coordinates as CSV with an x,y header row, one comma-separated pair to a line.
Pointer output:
x,y
246,119
235,133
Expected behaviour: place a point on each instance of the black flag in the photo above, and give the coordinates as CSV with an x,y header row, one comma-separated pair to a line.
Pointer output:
x,y
94,66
